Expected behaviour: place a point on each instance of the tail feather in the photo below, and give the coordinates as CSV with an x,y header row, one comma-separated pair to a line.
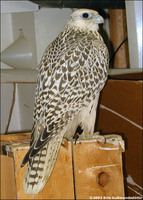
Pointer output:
x,y
41,165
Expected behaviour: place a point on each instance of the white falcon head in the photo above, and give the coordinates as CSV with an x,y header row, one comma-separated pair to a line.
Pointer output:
x,y
85,19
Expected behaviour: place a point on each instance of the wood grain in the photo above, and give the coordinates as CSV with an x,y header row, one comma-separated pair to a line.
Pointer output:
x,y
89,168
17,136
90,161
8,189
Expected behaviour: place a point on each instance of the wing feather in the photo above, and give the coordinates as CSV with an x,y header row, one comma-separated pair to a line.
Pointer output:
x,y
69,78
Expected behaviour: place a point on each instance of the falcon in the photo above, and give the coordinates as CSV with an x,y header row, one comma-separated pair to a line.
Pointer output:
x,y
71,74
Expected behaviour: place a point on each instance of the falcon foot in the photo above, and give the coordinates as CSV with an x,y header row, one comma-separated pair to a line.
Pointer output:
x,y
78,132
75,137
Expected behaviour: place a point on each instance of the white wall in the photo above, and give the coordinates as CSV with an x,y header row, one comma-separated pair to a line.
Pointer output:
x,y
20,119
24,94
17,6
5,104
22,115
6,34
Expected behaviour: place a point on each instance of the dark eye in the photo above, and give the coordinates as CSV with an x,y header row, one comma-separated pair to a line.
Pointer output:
x,y
85,15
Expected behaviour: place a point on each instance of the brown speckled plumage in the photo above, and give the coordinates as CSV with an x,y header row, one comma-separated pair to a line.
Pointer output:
x,y
72,72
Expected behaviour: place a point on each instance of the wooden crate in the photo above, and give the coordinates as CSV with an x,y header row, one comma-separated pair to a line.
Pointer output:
x,y
87,170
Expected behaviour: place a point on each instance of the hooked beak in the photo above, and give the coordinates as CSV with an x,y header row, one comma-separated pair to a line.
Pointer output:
x,y
98,19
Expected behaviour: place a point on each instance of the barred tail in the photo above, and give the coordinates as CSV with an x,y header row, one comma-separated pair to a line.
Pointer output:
x,y
41,165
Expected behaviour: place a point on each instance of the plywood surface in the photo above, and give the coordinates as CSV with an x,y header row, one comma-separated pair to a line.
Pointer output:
x,y
85,169
11,137
93,163
8,189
